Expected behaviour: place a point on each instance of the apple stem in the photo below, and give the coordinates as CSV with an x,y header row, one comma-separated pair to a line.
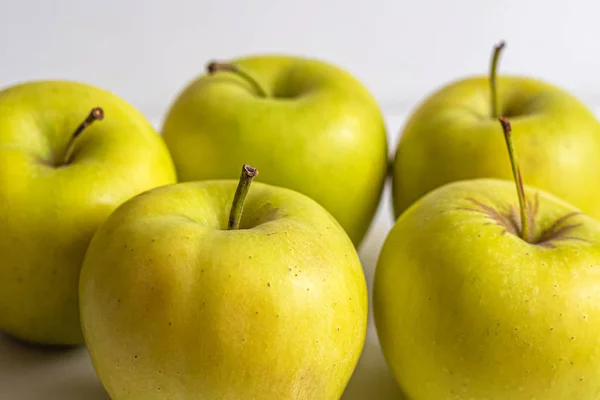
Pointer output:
x,y
214,67
97,114
525,229
493,78
237,207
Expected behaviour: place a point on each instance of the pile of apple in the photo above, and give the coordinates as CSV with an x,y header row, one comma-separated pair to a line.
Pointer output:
x,y
187,279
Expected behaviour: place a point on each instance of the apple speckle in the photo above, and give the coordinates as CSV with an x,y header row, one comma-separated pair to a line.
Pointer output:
x,y
170,323
268,284
135,356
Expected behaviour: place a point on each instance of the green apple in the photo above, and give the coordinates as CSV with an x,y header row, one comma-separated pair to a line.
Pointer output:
x,y
451,136
59,179
311,126
480,296
178,301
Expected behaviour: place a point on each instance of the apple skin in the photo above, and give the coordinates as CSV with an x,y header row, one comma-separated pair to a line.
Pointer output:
x,y
173,305
451,136
49,212
465,310
320,132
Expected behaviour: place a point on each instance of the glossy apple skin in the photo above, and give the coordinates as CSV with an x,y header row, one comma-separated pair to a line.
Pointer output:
x,y
465,310
320,132
451,136
176,307
49,212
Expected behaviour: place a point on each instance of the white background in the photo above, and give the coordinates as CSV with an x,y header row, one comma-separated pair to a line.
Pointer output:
x,y
146,51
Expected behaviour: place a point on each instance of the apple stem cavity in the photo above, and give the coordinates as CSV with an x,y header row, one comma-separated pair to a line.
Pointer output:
x,y
97,114
525,228
214,67
493,78
248,173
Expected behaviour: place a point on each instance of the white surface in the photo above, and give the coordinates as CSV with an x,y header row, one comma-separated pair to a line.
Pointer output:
x,y
28,373
146,50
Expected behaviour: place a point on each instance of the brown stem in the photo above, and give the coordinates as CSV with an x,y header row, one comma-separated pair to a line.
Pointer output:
x,y
214,67
97,114
493,78
525,228
235,215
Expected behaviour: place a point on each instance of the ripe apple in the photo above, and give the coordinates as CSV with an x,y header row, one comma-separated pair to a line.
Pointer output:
x,y
59,179
477,296
179,301
451,136
311,126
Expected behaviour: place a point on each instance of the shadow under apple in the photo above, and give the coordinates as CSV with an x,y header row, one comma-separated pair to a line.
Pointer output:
x,y
33,372
372,379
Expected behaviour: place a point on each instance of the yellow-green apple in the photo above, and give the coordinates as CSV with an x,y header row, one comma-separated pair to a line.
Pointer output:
x,y
483,294
451,136
59,179
311,126
183,299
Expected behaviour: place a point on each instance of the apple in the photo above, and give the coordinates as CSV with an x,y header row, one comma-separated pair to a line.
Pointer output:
x,y
59,179
182,299
480,296
311,126
450,136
